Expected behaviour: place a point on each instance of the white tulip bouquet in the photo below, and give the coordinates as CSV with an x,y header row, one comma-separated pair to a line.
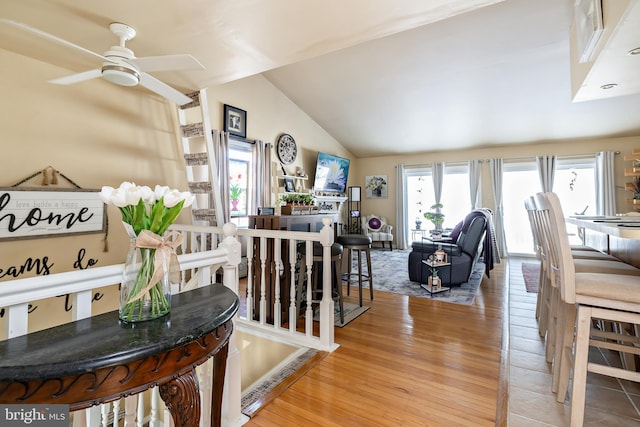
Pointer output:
x,y
146,215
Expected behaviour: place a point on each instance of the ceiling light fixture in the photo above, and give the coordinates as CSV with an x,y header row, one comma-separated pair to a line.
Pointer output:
x,y
633,52
119,75
608,86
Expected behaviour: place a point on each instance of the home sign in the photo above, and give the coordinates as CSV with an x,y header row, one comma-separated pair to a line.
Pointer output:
x,y
34,213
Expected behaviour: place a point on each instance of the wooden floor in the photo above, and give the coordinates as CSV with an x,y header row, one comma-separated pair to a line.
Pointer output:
x,y
406,362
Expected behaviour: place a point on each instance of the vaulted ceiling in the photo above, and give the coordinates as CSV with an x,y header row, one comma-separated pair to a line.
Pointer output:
x,y
381,76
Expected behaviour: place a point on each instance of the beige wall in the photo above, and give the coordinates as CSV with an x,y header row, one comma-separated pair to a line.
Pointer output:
x,y
100,134
387,166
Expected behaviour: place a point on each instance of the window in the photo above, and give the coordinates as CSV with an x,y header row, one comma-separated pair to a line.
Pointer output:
x,y
520,180
240,167
420,195
574,183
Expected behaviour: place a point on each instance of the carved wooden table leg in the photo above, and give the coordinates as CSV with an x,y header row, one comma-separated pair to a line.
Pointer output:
x,y
217,384
182,397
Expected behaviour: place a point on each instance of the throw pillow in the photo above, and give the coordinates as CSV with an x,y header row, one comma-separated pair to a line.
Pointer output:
x,y
456,231
374,223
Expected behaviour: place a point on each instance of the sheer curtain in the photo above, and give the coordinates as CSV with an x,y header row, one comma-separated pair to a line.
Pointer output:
x,y
546,171
498,216
221,152
261,174
605,183
438,176
474,182
401,209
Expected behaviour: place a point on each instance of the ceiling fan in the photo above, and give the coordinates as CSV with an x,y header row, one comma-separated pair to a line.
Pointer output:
x,y
120,65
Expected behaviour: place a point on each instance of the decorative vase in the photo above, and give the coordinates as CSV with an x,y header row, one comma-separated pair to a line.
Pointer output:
x,y
234,204
145,291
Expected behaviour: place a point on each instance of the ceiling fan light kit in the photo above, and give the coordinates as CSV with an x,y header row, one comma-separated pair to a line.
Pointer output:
x,y
120,65
119,75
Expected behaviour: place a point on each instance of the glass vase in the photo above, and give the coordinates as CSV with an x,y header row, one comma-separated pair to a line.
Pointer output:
x,y
140,299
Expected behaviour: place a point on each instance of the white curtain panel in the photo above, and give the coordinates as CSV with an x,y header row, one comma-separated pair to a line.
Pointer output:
x,y
546,171
262,174
402,235
498,215
221,152
438,176
605,184
474,182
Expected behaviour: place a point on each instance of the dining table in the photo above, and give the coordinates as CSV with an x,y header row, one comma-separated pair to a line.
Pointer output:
x,y
617,235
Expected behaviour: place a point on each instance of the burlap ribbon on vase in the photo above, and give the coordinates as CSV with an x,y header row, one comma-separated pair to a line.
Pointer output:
x,y
164,247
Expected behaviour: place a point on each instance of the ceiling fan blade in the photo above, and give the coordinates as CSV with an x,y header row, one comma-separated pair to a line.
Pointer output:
x,y
167,63
77,78
155,85
51,37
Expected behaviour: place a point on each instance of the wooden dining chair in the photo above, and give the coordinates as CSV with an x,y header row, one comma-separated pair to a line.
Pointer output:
x,y
585,297
547,299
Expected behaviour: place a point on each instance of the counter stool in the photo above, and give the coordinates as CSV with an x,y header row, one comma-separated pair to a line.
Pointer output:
x,y
359,243
316,274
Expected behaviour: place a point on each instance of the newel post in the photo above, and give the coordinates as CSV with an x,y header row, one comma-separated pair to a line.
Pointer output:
x,y
326,304
231,400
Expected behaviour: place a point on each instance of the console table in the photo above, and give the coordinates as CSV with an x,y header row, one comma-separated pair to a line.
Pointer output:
x,y
100,359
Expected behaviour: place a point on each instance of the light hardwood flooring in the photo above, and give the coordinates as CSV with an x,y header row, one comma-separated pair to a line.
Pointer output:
x,y
417,362
405,362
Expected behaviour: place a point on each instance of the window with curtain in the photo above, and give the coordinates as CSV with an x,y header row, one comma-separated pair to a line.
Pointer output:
x,y
420,195
574,182
240,189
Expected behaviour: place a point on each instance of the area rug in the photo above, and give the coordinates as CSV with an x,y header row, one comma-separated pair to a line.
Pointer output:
x,y
278,380
351,311
390,274
531,275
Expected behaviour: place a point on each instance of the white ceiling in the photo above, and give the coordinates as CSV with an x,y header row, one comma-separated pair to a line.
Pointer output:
x,y
381,76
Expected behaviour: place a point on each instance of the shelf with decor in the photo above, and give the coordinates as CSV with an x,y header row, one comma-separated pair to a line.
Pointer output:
x,y
329,204
633,171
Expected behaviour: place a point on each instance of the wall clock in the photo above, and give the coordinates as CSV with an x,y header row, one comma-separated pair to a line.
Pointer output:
x,y
287,149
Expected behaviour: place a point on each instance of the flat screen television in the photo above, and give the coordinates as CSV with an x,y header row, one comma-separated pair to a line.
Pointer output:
x,y
331,174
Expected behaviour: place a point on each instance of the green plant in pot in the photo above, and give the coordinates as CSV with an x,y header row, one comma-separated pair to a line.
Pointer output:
x,y
296,198
436,216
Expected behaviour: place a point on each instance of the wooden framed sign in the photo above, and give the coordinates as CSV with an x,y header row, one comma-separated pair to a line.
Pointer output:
x,y
35,213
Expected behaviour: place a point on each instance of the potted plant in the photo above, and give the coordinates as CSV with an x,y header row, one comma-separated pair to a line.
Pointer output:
x,y
434,280
418,223
297,203
234,191
436,217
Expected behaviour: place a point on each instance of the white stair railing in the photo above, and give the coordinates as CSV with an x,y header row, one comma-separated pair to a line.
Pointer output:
x,y
15,296
206,251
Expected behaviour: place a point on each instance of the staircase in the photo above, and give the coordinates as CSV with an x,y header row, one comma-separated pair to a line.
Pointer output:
x,y
200,162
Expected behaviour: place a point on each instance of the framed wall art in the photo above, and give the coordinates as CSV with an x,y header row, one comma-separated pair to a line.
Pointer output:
x,y
289,185
235,121
37,213
376,187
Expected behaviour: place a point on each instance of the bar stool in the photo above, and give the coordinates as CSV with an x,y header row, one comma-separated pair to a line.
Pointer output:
x,y
358,243
316,274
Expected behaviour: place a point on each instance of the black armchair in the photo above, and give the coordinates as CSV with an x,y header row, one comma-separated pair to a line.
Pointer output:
x,y
462,254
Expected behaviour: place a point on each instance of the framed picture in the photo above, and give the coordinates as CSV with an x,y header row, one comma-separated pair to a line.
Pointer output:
x,y
266,211
588,27
376,187
235,121
289,186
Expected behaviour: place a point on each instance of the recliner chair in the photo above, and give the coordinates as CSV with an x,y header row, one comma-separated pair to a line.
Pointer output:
x,y
462,254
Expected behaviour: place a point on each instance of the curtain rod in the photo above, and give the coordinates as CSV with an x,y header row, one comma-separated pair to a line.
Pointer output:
x,y
423,165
